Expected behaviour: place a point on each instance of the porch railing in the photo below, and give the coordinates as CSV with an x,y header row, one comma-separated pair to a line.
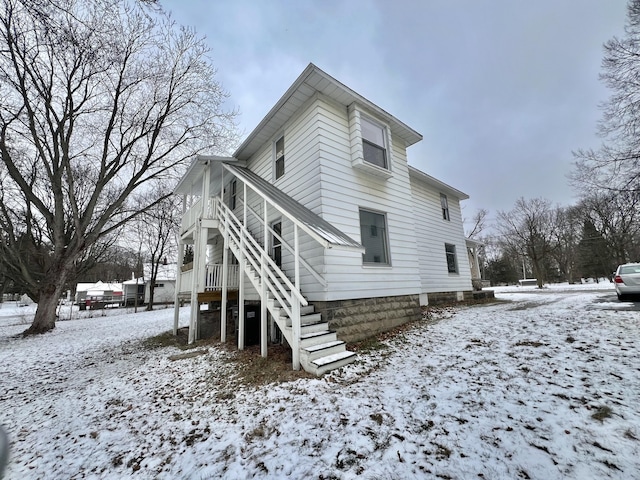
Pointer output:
x,y
213,278
190,216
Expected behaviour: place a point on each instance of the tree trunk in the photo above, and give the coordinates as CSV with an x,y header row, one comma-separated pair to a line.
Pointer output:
x,y
45,318
150,302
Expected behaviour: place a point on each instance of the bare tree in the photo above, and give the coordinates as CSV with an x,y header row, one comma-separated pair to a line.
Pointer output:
x,y
565,239
99,100
157,229
616,216
615,167
529,230
479,221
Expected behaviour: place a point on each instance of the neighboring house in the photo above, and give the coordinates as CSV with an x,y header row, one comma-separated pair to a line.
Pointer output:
x,y
319,218
165,286
98,295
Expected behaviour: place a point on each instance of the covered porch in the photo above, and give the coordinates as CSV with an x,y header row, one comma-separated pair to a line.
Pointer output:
x,y
251,241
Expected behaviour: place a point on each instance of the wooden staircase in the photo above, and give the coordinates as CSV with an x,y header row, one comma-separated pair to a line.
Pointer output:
x,y
320,349
315,347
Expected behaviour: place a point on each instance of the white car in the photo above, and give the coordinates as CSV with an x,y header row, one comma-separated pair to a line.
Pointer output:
x,y
627,280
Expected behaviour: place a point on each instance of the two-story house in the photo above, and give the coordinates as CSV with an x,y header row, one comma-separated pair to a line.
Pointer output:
x,y
319,218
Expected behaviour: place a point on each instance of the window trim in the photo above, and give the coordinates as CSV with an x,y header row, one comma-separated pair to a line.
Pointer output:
x,y
455,258
384,238
276,159
444,204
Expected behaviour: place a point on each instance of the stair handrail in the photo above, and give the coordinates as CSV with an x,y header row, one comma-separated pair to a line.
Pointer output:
x,y
303,262
276,276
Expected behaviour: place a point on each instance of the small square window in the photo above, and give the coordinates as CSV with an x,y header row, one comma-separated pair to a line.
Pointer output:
x,y
374,238
452,261
445,207
280,157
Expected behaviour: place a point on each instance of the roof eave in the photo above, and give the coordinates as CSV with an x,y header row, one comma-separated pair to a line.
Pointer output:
x,y
445,188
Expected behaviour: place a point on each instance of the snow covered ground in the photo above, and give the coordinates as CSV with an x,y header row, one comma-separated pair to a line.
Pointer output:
x,y
545,385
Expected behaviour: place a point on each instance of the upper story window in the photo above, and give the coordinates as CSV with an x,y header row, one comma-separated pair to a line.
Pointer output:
x,y
234,195
371,148
373,143
445,207
374,238
279,158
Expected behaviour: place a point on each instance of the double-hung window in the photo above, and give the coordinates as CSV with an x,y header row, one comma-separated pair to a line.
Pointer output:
x,y
445,207
234,194
452,261
279,158
374,145
374,238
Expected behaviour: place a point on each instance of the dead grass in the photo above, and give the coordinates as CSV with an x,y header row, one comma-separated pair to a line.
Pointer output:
x,y
602,413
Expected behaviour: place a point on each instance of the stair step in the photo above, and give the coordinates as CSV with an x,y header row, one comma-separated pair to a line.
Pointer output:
x,y
317,338
319,350
307,309
331,362
324,346
307,319
314,328
308,335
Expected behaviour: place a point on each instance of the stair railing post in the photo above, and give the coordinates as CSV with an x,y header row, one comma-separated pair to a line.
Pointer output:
x,y
295,333
295,303
263,277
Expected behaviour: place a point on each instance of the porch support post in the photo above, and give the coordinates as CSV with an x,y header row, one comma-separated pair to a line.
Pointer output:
x,y
242,266
197,285
176,303
263,279
241,297
225,288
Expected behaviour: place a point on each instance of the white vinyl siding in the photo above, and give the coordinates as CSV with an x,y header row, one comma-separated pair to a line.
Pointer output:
x,y
345,191
432,235
301,182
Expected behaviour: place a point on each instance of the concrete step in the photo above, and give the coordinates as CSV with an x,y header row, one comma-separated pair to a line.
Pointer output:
x,y
331,362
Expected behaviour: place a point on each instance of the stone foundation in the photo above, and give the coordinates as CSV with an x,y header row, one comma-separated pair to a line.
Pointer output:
x,y
357,319
439,298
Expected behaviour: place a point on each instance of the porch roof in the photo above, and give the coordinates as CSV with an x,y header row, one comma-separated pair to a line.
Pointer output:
x,y
191,181
313,224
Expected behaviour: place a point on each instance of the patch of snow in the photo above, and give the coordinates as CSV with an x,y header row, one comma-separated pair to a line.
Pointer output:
x,y
544,386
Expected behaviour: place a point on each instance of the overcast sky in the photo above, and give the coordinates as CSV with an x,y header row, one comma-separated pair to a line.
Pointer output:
x,y
501,90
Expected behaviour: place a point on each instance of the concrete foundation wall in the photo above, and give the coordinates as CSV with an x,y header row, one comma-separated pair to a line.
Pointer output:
x,y
357,319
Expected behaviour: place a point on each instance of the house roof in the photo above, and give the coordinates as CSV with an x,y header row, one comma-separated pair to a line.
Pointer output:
x,y
313,224
313,80
434,182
